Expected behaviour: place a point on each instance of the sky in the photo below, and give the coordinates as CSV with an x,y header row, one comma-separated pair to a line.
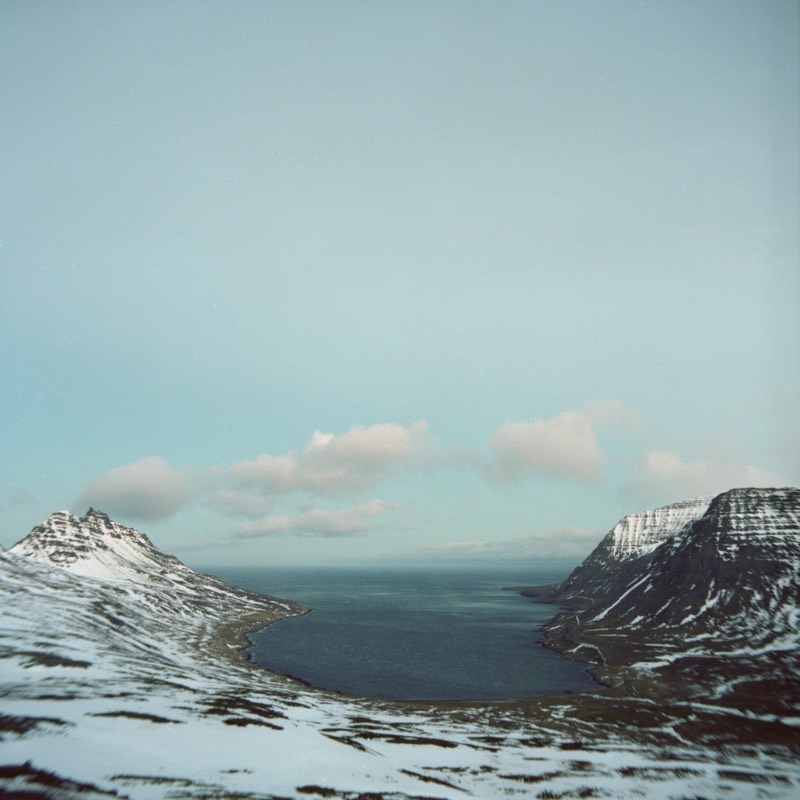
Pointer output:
x,y
399,282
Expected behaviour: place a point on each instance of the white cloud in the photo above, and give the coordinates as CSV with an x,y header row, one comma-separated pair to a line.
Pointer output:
x,y
148,490
354,459
354,521
565,446
664,475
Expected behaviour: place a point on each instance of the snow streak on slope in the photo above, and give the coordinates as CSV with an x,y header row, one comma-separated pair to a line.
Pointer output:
x,y
639,534
617,560
117,680
731,574
713,608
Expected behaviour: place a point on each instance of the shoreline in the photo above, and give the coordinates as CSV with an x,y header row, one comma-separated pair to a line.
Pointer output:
x,y
232,640
654,705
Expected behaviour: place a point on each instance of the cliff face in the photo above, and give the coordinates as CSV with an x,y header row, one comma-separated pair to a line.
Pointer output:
x,y
725,568
731,576
706,593
625,551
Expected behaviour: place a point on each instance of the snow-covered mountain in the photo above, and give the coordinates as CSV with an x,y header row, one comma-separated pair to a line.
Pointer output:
x,y
120,676
623,551
713,579
95,546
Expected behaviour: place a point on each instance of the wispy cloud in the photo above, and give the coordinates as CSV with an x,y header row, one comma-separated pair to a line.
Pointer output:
x,y
354,521
151,489
665,476
564,446
17,497
256,492
148,490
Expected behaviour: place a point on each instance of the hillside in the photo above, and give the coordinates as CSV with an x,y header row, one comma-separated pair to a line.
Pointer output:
x,y
121,677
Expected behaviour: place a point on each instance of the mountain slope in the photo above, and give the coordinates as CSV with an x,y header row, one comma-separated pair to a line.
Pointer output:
x,y
118,680
715,603
94,546
622,554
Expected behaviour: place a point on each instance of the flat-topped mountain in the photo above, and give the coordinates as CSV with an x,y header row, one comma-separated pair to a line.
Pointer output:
x,y
623,551
716,579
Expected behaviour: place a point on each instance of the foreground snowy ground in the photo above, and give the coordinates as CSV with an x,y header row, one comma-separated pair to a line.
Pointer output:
x,y
116,684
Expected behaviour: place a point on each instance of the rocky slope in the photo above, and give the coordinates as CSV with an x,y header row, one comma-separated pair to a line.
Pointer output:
x,y
708,591
621,554
118,679
94,546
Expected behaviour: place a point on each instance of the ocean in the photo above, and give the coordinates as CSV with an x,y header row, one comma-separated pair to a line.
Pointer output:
x,y
414,634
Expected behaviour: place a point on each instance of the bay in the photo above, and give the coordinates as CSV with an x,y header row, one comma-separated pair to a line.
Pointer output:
x,y
414,634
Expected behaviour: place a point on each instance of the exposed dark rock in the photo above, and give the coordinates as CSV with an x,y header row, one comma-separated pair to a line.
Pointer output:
x,y
707,592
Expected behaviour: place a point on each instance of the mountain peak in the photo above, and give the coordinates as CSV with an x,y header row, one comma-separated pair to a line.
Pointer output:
x,y
93,545
639,534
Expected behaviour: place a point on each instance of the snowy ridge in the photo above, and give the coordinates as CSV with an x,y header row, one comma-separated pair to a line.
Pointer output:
x,y
639,534
95,546
723,589
117,681
617,561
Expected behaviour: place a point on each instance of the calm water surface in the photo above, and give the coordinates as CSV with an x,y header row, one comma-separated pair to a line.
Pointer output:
x,y
413,634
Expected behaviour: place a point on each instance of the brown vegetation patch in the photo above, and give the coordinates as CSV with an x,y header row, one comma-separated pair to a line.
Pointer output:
x,y
243,722
396,738
23,725
659,773
138,715
544,776
35,659
24,780
430,779
236,706
749,777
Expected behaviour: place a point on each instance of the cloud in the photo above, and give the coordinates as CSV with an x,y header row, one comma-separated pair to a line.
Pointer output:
x,y
572,543
355,521
665,476
238,503
148,490
355,459
564,446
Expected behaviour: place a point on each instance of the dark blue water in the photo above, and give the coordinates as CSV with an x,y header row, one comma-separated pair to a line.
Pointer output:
x,y
413,634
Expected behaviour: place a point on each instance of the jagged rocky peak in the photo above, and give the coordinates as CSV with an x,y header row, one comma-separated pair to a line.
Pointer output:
x,y
92,545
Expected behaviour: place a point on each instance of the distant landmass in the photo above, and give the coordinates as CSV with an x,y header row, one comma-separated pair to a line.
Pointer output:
x,y
122,675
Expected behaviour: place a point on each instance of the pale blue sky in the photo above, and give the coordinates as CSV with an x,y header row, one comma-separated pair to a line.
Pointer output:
x,y
532,265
